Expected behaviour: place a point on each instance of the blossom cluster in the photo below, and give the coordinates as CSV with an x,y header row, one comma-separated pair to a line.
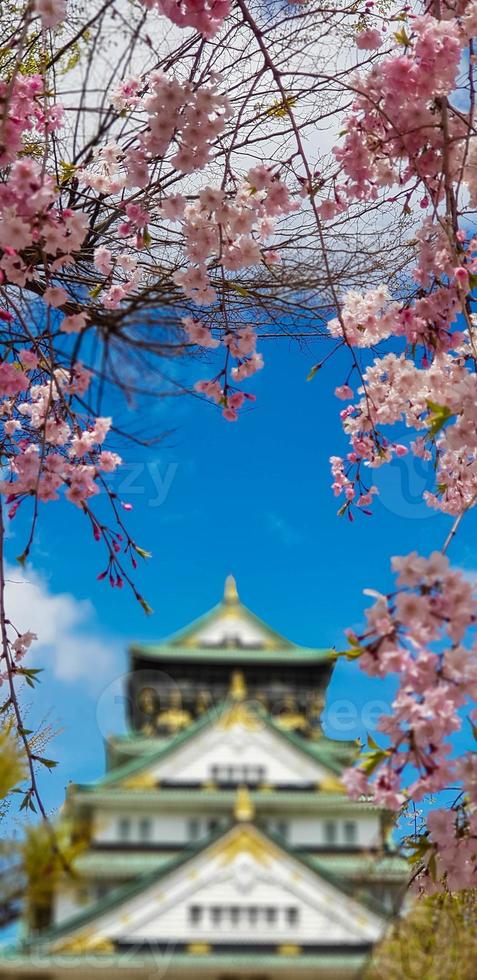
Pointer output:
x,y
423,634
429,388
206,16
190,117
45,447
241,345
27,114
226,230
32,222
52,12
405,136
392,136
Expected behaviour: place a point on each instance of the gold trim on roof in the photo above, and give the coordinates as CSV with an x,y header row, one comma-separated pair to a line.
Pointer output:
x,y
143,780
244,809
244,839
330,784
86,942
199,949
209,785
289,949
238,715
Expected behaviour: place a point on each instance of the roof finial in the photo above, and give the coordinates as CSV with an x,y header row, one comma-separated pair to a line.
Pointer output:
x,y
238,687
230,590
244,809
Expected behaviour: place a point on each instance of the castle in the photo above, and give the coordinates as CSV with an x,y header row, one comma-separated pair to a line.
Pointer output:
x,y
220,842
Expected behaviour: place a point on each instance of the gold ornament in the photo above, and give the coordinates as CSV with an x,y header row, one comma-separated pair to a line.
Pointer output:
x,y
238,687
244,809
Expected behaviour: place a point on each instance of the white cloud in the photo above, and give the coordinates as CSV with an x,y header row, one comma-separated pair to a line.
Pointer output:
x,y
69,642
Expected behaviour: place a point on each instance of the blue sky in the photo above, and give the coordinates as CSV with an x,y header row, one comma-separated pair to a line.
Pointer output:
x,y
252,498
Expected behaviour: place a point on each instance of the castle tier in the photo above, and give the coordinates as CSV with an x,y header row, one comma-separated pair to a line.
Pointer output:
x,y
220,843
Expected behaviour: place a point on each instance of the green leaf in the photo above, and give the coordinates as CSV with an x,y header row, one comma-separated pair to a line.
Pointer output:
x,y
314,370
354,653
372,760
67,171
239,289
474,729
402,37
473,280
280,108
48,763
372,743
439,415
29,673
142,552
432,865
95,291
419,848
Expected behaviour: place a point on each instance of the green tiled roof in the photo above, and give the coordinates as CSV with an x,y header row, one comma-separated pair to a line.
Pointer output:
x,y
351,865
243,612
130,864
323,751
113,864
132,745
192,799
151,963
290,655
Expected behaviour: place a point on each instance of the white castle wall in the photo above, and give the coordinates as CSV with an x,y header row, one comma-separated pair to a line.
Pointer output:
x,y
176,828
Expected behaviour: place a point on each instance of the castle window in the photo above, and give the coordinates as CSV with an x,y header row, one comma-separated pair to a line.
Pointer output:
x,y
212,826
243,916
291,916
193,829
145,829
238,774
125,829
349,830
235,915
330,832
282,828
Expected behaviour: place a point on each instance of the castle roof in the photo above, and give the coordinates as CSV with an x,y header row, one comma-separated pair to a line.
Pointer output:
x,y
227,632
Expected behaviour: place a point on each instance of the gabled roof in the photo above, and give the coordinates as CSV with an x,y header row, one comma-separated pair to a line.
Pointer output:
x,y
319,751
241,837
230,632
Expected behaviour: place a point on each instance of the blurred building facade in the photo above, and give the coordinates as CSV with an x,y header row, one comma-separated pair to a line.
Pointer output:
x,y
220,843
